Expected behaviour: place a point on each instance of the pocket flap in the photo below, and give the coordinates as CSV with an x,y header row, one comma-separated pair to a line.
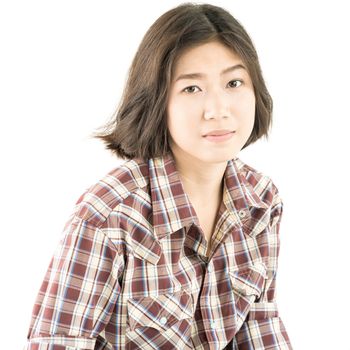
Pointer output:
x,y
250,280
146,247
257,220
160,312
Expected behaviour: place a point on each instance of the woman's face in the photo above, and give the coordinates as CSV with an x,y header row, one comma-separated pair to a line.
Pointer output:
x,y
209,100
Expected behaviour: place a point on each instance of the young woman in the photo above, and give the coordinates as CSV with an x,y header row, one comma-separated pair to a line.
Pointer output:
x,y
177,247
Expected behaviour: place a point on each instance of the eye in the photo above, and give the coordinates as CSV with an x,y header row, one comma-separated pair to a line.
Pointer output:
x,y
189,89
240,81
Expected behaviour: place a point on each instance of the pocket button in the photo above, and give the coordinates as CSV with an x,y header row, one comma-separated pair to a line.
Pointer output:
x,y
163,320
241,213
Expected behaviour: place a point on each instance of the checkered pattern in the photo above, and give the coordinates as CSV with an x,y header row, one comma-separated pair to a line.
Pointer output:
x,y
131,268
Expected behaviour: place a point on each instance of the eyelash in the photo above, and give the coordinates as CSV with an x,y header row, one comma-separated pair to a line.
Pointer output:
x,y
184,90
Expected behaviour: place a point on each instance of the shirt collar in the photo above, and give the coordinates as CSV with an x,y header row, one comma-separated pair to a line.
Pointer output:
x,y
172,209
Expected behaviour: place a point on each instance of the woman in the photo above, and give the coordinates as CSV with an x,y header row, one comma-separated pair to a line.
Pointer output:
x,y
177,247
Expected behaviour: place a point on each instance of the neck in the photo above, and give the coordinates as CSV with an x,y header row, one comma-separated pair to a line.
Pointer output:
x,y
200,180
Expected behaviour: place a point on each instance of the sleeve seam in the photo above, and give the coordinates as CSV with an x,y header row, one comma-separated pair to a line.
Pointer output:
x,y
84,222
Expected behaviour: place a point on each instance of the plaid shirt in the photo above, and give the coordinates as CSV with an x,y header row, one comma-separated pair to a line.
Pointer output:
x,y
130,271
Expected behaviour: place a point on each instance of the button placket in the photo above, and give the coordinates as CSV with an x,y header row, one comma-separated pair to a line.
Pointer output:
x,y
213,324
244,215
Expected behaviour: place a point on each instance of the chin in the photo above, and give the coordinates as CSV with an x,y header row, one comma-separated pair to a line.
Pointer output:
x,y
217,158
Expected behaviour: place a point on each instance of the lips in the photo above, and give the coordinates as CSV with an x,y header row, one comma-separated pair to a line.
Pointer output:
x,y
218,132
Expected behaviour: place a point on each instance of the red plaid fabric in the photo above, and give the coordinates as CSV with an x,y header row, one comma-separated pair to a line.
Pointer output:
x,y
130,270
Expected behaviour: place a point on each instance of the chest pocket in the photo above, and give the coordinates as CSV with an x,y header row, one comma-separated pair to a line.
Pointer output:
x,y
247,285
162,321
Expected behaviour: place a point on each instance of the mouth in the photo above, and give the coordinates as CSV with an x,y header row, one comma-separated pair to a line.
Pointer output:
x,y
219,132
219,138
230,132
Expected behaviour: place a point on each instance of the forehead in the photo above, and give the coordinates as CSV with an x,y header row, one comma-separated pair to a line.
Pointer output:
x,y
209,55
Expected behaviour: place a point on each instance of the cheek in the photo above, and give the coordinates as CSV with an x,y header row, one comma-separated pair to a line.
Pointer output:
x,y
245,113
180,117
248,101
180,126
247,108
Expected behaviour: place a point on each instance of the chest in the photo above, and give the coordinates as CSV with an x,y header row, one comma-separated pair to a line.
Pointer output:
x,y
207,223
208,219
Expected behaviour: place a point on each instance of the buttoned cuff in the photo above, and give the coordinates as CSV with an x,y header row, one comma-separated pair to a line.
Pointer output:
x,y
60,343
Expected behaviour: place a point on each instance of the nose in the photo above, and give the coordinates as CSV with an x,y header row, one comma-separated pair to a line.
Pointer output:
x,y
216,105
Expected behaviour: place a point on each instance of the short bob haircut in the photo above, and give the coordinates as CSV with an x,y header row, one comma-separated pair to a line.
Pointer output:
x,y
138,128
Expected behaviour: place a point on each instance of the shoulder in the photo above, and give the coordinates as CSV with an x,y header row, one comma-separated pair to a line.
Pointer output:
x,y
99,200
262,183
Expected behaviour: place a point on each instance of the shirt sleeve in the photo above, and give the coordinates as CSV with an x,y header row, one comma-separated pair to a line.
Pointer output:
x,y
79,290
263,328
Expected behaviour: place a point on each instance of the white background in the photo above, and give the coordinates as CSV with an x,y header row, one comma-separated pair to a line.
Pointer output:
x,y
62,68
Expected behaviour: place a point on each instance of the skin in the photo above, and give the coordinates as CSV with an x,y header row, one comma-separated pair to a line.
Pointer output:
x,y
198,105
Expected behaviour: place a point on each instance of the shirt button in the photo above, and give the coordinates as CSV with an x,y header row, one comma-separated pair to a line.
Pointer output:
x,y
163,320
212,324
210,268
241,213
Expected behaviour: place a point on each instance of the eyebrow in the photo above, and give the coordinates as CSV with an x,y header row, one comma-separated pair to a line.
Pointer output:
x,y
201,75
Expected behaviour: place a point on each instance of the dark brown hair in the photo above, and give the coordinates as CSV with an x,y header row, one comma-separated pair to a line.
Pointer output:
x,y
138,128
